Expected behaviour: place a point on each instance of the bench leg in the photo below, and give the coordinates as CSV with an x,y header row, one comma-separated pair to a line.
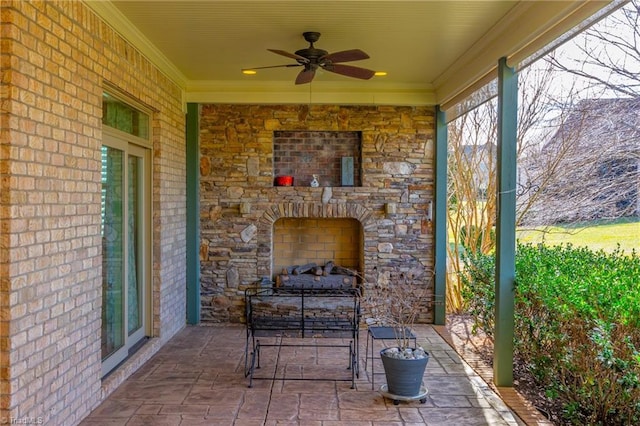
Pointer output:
x,y
255,357
352,360
247,364
357,354
257,352
250,365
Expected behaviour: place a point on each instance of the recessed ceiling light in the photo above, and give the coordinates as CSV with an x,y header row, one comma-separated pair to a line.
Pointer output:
x,y
249,72
380,73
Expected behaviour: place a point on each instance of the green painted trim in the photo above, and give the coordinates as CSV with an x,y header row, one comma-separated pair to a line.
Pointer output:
x,y
193,214
440,217
506,224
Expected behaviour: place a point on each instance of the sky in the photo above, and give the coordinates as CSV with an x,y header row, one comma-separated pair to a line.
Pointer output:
x,y
620,31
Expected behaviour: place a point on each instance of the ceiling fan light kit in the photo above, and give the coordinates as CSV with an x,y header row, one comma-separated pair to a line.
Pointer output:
x,y
312,58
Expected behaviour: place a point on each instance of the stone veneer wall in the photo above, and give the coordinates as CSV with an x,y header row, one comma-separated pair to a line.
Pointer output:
x,y
239,203
56,56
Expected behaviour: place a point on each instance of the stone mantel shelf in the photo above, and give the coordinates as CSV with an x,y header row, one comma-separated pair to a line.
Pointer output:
x,y
339,194
345,189
385,199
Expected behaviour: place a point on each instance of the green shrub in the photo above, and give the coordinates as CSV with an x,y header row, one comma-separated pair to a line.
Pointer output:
x,y
577,326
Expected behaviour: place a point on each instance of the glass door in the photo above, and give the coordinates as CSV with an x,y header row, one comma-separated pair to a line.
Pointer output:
x,y
125,248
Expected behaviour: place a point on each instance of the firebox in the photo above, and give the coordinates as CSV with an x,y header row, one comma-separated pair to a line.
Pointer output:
x,y
301,241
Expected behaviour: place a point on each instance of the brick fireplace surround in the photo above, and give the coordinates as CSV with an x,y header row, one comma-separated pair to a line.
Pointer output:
x,y
240,207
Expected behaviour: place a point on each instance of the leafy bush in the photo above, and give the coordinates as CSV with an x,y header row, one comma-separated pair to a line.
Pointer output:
x,y
577,326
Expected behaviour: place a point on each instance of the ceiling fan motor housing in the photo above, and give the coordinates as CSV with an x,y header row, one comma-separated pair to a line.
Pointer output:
x,y
311,53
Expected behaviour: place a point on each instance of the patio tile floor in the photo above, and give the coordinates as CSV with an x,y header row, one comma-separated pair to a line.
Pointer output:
x,y
197,379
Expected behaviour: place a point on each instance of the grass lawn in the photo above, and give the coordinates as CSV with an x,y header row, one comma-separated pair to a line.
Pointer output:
x,y
595,235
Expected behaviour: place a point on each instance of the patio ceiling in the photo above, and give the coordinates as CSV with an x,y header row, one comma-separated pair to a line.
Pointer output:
x,y
433,51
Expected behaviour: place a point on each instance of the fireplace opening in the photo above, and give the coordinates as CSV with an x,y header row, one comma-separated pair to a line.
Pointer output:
x,y
301,241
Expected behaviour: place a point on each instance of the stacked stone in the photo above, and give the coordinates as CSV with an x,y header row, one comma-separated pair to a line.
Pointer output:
x,y
240,205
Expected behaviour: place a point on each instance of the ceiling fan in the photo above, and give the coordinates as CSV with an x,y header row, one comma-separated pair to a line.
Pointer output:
x,y
312,58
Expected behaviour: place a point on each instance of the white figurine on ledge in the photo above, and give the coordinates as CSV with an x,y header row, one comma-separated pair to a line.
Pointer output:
x,y
314,181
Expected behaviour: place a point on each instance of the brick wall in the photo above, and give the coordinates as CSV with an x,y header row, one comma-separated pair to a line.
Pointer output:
x,y
240,205
56,57
304,154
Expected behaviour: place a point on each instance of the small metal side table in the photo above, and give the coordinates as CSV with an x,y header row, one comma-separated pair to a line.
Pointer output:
x,y
381,333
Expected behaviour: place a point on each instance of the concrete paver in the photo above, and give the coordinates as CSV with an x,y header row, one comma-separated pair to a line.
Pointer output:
x,y
198,379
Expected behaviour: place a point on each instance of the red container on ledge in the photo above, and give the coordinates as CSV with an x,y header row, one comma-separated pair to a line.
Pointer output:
x,y
284,181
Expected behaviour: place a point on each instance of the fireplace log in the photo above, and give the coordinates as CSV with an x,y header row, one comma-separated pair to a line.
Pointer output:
x,y
304,268
288,270
328,267
310,281
344,271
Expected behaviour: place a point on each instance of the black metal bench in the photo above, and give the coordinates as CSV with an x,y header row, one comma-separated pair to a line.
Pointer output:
x,y
301,313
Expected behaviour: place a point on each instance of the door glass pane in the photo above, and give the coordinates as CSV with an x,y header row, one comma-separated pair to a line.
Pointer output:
x,y
112,250
133,287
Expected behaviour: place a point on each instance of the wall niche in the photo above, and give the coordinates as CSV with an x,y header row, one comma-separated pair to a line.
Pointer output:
x,y
335,157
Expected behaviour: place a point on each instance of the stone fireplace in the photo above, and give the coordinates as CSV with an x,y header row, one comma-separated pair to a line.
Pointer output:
x,y
252,229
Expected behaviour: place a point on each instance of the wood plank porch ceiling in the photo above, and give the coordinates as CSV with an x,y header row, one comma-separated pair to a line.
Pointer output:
x,y
432,50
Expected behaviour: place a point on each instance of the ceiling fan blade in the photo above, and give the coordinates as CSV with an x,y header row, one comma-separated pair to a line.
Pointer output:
x,y
272,66
302,59
305,76
350,71
345,56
